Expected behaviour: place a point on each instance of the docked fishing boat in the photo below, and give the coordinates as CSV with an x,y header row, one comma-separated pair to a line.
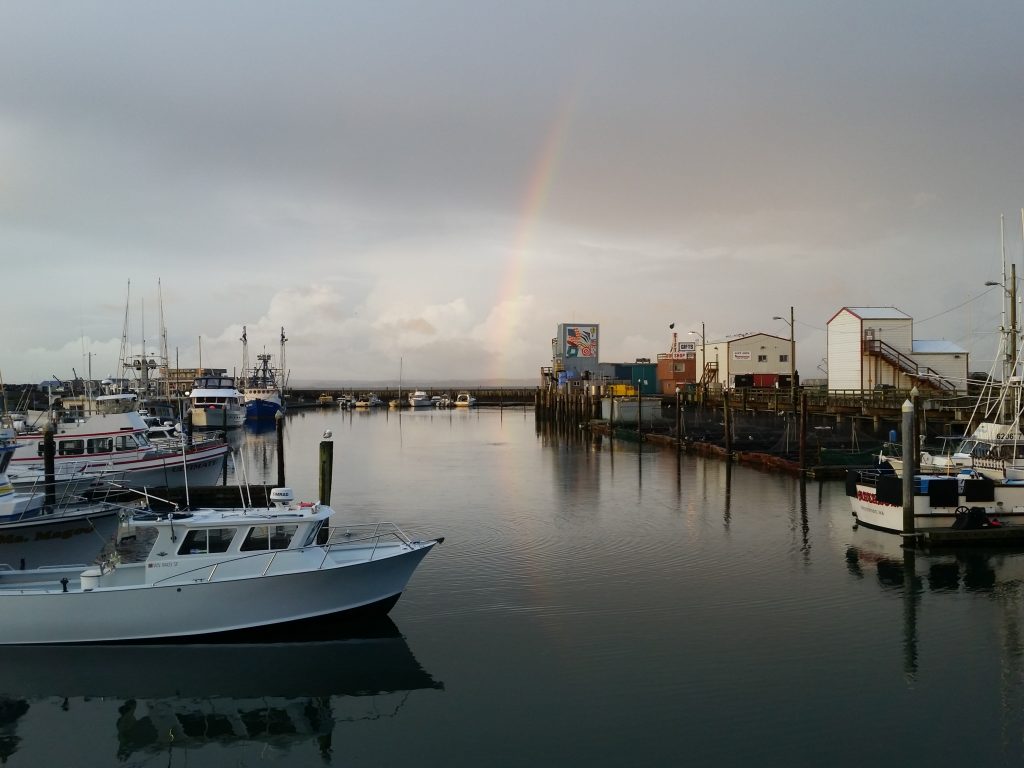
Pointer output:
x,y
876,499
464,400
262,386
214,571
37,531
216,403
419,399
114,443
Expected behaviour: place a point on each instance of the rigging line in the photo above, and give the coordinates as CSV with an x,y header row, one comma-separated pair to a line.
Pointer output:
x,y
958,306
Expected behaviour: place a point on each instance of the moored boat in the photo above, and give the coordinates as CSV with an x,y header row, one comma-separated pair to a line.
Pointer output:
x,y
876,499
464,400
216,403
41,531
419,399
114,443
214,571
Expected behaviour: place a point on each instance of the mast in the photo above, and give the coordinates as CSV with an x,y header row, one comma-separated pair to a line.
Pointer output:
x,y
164,355
124,352
245,358
284,375
1007,352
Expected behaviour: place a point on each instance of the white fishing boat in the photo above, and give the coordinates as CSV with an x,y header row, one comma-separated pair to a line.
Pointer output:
x,y
464,400
216,403
876,499
40,532
419,399
214,571
114,443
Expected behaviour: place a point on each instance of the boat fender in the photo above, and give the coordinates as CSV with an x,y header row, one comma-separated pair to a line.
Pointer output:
x,y
306,504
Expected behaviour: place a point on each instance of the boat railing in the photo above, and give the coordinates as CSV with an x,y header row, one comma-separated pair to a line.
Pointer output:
x,y
376,532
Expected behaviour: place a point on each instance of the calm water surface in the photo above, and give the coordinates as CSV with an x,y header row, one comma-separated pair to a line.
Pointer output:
x,y
592,605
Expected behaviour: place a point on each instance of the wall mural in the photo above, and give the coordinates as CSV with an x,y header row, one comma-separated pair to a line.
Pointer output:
x,y
581,341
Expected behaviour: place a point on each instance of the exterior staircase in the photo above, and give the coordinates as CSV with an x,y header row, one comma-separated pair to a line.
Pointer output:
x,y
925,377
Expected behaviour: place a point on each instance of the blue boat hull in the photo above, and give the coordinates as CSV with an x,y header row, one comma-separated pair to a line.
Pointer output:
x,y
261,410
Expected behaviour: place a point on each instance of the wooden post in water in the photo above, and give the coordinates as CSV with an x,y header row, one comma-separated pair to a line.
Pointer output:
x,y
725,423
279,424
803,433
679,419
326,470
49,452
909,449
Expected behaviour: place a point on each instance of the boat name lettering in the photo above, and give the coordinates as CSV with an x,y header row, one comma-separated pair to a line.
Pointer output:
x,y
871,498
65,534
12,538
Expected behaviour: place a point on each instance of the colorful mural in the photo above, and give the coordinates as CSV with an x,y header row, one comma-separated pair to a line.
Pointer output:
x,y
581,341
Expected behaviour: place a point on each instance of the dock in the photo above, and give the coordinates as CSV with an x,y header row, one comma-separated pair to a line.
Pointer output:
x,y
1003,535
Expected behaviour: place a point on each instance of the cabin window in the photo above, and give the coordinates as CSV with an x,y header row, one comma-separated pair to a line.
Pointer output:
x,y
263,537
203,541
124,443
39,448
100,444
71,447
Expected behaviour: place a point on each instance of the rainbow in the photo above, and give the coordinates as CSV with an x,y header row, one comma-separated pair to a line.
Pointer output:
x,y
537,189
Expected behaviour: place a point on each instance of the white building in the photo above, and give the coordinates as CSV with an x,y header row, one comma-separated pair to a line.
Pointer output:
x,y
874,348
760,356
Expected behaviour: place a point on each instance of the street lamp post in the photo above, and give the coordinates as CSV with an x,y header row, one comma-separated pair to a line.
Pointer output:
x,y
792,357
703,357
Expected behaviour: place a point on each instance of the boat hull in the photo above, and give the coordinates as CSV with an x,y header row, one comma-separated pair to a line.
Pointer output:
x,y
188,606
262,410
219,418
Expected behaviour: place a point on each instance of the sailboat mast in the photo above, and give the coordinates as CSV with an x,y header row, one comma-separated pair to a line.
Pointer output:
x,y
1007,353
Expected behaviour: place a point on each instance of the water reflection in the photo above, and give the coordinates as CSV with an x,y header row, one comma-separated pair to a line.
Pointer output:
x,y
941,573
278,694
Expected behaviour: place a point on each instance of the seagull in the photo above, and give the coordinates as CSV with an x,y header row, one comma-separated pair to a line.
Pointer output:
x,y
328,434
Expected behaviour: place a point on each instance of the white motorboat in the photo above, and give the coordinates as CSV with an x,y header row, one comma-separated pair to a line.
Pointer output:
x,y
419,399
39,533
464,400
216,403
214,571
114,443
369,400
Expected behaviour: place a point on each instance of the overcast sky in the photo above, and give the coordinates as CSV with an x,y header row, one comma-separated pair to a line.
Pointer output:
x,y
442,183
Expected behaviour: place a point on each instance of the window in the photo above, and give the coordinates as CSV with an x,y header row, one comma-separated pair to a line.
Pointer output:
x,y
202,541
100,444
71,447
783,358
762,358
261,537
124,443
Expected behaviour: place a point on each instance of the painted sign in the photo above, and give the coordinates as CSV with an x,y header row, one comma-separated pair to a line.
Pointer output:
x,y
741,355
581,341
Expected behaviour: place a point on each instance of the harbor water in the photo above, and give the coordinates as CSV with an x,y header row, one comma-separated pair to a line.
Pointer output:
x,y
595,603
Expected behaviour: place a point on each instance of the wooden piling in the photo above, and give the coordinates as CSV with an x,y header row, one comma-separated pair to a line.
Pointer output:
x,y
49,454
326,470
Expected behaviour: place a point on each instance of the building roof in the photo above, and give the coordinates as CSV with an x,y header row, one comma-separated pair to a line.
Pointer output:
x,y
937,346
875,313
